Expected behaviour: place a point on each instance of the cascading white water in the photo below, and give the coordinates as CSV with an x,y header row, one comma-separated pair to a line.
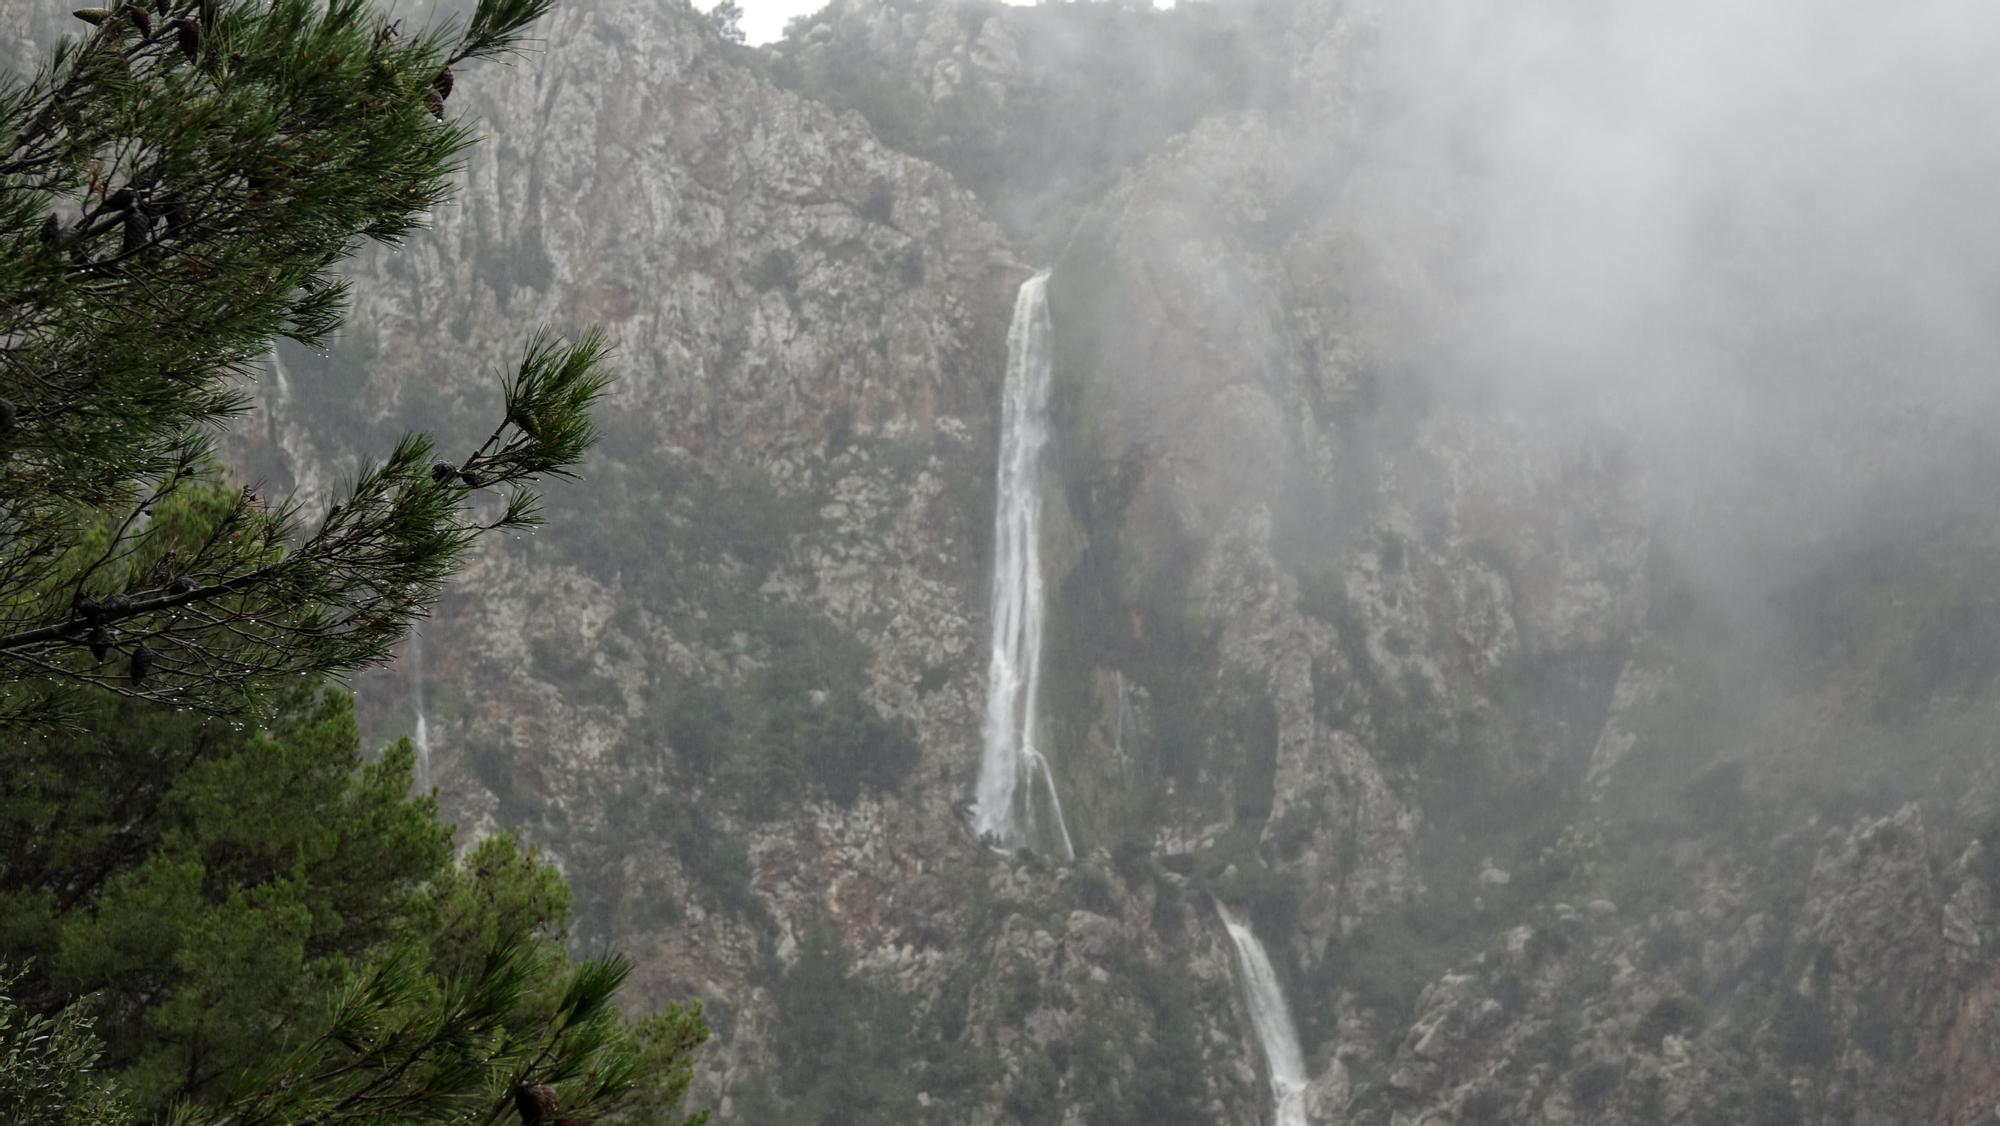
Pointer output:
x,y
1011,767
1272,1019
280,394
423,740
422,736
1118,720
283,389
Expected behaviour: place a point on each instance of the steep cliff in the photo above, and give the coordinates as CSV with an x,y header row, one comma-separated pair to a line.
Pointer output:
x,y
1535,818
1543,818
737,692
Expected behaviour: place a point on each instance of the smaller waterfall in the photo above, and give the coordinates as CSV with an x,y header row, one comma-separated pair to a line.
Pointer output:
x,y
423,741
1272,1020
1118,720
279,394
281,382
1040,766
422,736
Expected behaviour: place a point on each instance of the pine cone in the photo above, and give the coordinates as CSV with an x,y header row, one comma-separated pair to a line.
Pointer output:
x,y
137,229
188,34
536,1104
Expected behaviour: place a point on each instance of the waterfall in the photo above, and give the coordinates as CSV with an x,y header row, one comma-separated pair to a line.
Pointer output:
x,y
280,393
1272,1019
422,735
1012,772
1118,720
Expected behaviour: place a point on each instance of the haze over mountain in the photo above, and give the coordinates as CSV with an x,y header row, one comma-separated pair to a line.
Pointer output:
x,y
1476,606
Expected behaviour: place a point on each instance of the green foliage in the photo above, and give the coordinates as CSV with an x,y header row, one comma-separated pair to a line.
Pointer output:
x,y
1094,889
1769,1103
1649,1108
880,206
272,929
1293,829
666,1044
746,516
203,879
797,728
1594,1084
1034,1098
1904,613
1879,1030
852,1051
1554,1043
1673,1015
1409,724
1484,1108
1115,83
174,194
827,740
1020,991
718,860
1384,963
211,886
49,1067
1802,1031
842,1045
777,269
727,16
1231,868
1142,1068
479,1000
474,998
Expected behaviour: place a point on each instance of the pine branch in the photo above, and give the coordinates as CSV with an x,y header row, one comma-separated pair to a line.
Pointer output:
x,y
176,189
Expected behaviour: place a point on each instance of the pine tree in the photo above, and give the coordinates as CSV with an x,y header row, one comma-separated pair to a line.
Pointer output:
x,y
48,1067
205,884
727,16
479,1017
178,188
273,929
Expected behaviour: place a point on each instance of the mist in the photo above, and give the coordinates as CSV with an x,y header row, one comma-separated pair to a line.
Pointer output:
x,y
1279,562
1759,242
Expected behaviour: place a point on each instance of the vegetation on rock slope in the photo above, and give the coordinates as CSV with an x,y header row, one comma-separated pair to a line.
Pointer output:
x,y
219,910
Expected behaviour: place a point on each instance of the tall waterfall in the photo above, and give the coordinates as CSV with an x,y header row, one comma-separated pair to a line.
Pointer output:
x,y
422,736
1013,775
1272,1019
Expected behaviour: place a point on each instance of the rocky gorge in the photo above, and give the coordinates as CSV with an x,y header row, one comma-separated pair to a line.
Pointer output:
x,y
1552,785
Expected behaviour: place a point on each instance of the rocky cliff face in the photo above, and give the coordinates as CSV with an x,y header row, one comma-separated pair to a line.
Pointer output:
x,y
735,689
1535,828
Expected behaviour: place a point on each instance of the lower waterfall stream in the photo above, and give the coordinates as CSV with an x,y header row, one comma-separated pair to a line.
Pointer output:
x,y
1272,1020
